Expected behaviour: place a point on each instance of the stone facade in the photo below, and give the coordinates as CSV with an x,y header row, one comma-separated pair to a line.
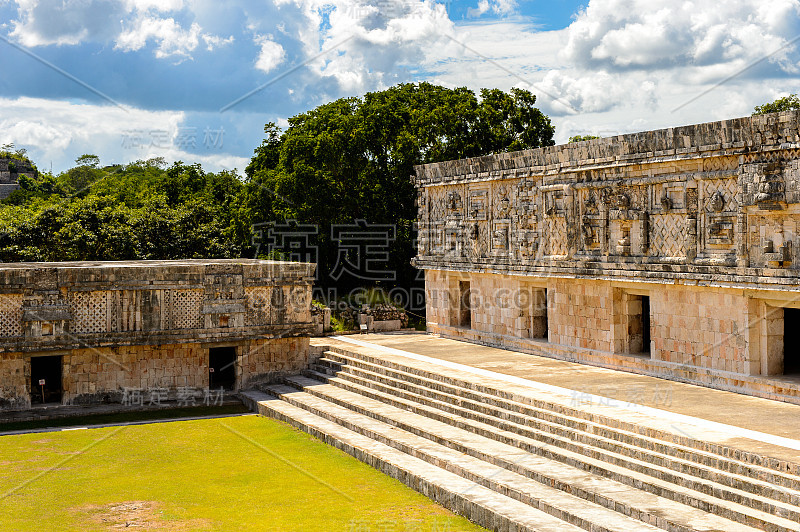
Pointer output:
x,y
149,325
10,172
668,252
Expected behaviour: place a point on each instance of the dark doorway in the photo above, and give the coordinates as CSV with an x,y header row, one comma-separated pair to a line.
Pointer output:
x,y
645,324
539,313
46,370
791,341
222,368
639,325
465,310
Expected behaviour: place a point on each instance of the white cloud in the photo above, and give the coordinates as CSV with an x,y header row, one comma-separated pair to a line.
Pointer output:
x,y
374,40
498,7
595,93
130,24
646,34
57,132
632,65
170,37
156,5
271,54
64,22
215,41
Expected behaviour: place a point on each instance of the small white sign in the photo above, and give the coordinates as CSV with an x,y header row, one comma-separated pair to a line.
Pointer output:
x,y
211,370
41,382
363,326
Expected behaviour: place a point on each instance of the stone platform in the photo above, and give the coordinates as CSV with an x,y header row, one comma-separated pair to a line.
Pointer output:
x,y
519,442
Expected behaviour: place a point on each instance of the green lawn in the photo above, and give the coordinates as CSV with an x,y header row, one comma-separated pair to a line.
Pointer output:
x,y
228,474
122,417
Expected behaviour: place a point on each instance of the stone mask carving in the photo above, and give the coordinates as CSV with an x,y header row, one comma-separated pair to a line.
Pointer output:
x,y
717,201
666,202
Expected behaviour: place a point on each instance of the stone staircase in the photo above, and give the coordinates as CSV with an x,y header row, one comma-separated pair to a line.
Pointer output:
x,y
512,463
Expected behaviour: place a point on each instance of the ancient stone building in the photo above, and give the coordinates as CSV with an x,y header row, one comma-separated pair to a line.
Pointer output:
x,y
10,172
668,252
83,332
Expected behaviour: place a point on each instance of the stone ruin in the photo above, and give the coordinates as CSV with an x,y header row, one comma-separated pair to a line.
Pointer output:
x,y
10,172
673,253
90,332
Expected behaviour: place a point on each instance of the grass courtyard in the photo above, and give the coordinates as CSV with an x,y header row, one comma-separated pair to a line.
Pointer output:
x,y
227,474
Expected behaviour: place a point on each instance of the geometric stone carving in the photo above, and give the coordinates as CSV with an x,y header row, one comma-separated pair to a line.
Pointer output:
x,y
720,195
556,235
186,305
258,305
668,235
10,314
89,311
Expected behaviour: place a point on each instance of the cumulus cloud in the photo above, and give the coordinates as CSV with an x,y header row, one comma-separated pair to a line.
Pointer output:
x,y
130,24
597,92
57,132
498,7
374,40
171,39
646,34
65,22
271,55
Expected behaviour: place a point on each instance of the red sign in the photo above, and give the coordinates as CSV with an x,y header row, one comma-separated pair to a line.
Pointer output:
x,y
211,370
41,382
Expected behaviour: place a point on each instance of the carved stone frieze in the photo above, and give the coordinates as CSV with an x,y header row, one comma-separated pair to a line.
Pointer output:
x,y
645,202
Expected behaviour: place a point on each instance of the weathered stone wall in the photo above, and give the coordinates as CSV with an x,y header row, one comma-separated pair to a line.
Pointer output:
x,y
10,172
13,382
102,374
149,325
701,223
265,360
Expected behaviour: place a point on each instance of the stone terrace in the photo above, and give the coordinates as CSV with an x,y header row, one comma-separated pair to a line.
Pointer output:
x,y
92,331
668,252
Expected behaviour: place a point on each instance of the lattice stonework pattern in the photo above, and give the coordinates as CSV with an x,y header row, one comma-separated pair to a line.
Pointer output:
x,y
727,187
258,305
186,307
89,311
668,235
556,235
10,314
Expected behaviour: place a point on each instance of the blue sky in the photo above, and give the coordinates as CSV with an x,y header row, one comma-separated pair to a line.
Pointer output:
x,y
133,79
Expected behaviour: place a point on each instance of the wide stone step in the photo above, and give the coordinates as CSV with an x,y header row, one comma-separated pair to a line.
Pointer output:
x,y
568,507
721,457
631,478
481,505
687,473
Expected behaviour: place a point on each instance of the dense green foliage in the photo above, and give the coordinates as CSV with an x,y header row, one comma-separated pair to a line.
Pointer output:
x,y
787,103
350,159
353,158
581,138
9,151
139,211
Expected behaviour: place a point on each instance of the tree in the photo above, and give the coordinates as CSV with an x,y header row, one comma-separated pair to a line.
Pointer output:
x,y
581,138
92,161
138,211
351,158
787,103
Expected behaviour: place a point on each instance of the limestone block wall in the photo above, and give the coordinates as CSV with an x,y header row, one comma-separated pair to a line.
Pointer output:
x,y
688,324
582,313
265,360
680,247
102,375
13,382
149,325
705,328
10,172
437,297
